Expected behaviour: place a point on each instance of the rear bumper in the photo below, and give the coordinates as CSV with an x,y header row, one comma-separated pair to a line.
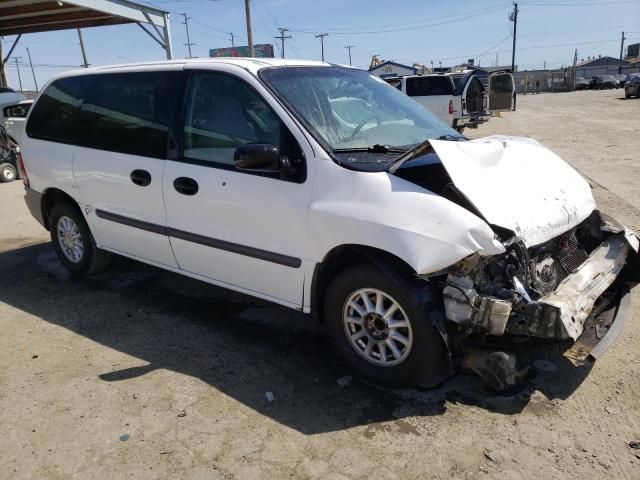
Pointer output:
x,y
33,200
470,121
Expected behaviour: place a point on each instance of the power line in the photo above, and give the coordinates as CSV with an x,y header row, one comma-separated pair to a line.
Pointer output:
x,y
482,10
420,27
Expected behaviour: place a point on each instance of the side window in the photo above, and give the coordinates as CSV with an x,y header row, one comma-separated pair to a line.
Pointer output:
x,y
221,113
55,114
128,112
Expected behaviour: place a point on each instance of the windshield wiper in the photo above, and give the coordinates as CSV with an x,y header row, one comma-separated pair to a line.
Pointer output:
x,y
453,138
377,148
409,154
420,149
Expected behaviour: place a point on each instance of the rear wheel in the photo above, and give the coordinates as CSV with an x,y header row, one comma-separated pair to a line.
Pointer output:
x,y
74,243
626,93
381,330
8,173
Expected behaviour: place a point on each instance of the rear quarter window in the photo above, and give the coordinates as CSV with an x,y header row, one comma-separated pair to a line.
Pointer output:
x,y
55,114
427,86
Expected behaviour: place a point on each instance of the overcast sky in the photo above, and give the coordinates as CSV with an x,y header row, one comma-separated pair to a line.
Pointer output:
x,y
406,31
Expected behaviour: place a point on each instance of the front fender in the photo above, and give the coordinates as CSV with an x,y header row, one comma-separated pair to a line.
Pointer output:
x,y
383,211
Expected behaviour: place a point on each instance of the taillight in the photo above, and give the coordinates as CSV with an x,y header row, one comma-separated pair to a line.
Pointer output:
x,y
451,109
23,171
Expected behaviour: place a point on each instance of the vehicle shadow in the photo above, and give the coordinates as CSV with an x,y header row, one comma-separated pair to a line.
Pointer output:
x,y
240,346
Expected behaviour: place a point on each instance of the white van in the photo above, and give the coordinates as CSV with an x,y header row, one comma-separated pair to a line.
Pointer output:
x,y
460,99
323,189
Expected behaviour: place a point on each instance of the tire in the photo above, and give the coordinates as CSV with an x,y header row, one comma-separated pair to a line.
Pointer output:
x,y
8,173
425,361
84,261
626,93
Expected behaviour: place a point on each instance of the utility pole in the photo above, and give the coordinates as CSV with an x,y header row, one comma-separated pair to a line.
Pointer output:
x,y
282,37
3,75
349,47
232,43
35,82
84,53
247,9
544,65
575,62
514,18
431,66
321,37
18,70
186,26
496,59
621,48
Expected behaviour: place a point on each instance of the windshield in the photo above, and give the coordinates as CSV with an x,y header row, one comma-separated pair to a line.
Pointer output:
x,y
349,109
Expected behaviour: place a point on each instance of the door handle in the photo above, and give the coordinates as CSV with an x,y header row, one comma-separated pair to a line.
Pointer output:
x,y
141,177
185,185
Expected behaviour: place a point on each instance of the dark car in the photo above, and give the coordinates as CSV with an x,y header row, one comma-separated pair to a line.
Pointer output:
x,y
600,82
632,86
582,83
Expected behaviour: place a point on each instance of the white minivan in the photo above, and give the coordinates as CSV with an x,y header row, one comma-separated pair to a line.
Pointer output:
x,y
322,188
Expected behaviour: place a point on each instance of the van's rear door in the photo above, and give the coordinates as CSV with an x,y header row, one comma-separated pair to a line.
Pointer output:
x,y
502,89
473,97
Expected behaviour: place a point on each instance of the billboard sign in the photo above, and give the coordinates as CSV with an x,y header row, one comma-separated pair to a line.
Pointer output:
x,y
261,50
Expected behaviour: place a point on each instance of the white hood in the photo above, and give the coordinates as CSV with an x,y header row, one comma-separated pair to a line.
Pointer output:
x,y
518,184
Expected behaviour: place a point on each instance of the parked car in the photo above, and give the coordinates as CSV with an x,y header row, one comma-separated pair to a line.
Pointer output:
x,y
581,84
621,78
601,82
459,100
14,119
320,188
8,158
9,96
632,86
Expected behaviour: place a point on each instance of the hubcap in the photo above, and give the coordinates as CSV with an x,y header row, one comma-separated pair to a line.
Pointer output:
x,y
8,173
377,327
70,239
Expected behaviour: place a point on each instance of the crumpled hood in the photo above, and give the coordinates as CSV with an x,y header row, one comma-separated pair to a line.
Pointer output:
x,y
518,184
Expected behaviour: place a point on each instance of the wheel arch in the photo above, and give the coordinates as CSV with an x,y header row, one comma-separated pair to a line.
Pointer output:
x,y
345,256
50,197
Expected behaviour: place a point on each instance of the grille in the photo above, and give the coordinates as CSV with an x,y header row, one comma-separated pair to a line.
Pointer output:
x,y
570,255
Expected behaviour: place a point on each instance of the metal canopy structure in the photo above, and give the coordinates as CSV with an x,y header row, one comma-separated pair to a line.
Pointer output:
x,y
18,17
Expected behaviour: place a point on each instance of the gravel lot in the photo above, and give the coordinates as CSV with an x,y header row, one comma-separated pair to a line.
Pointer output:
x,y
145,374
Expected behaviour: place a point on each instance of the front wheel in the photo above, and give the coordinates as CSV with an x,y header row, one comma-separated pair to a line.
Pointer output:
x,y
8,173
72,240
382,327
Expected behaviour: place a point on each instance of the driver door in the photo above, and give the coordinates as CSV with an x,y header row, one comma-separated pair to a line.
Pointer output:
x,y
239,229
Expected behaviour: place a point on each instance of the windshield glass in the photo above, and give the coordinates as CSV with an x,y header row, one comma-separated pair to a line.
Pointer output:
x,y
350,109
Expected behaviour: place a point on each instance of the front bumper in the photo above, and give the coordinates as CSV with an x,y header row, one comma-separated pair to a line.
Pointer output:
x,y
568,311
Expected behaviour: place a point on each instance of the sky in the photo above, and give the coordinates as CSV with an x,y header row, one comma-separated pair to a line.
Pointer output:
x,y
405,31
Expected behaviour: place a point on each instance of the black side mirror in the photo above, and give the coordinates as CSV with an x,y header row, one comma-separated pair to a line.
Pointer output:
x,y
263,157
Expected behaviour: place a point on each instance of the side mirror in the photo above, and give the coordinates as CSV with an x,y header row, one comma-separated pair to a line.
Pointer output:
x,y
263,157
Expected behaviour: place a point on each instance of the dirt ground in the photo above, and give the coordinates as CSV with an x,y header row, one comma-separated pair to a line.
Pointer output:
x,y
140,373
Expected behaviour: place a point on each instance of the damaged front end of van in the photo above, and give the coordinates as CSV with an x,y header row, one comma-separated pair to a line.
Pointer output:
x,y
566,270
